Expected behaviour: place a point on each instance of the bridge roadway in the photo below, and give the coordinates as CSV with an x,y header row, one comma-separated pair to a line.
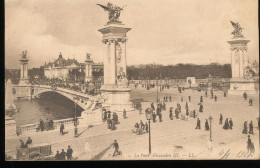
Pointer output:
x,y
25,91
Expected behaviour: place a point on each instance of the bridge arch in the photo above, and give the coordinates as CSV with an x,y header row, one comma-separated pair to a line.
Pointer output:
x,y
70,97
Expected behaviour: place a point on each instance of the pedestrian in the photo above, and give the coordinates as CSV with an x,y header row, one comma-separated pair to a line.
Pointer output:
x,y
146,127
216,98
116,146
176,113
194,113
41,125
230,123
69,153
170,113
206,125
170,98
251,127
57,156
245,128
160,116
226,125
245,96
50,125
189,99
220,119
187,112
225,94
113,125
141,124
181,99
116,118
250,102
109,114
206,94
29,141
164,106
62,155
158,110
198,124
105,114
250,145
124,114
201,108
152,106
201,99
61,129
186,105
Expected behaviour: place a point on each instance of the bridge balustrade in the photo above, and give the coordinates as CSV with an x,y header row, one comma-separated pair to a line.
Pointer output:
x,y
56,124
29,127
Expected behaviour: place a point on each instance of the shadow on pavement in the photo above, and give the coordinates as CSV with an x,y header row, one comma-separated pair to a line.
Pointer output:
x,y
98,156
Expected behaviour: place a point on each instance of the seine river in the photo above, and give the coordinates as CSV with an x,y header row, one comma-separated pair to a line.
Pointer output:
x,y
49,106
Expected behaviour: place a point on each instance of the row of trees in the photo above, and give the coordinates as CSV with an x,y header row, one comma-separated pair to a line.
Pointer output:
x,y
150,71
179,71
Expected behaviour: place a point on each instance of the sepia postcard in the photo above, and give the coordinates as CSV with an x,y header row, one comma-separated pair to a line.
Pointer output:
x,y
131,80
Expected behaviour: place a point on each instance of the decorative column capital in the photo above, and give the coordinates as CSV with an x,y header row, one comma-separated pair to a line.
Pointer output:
x,y
238,49
114,39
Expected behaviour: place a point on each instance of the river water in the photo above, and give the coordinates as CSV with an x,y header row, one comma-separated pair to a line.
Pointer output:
x,y
49,106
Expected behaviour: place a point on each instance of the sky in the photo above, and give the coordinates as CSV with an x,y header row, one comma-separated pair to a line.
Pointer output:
x,y
163,31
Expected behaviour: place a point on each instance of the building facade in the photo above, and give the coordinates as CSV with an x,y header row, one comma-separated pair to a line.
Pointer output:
x,y
61,68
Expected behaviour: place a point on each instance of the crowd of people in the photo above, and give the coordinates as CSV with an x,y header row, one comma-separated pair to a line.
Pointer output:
x,y
87,88
62,155
111,122
25,145
140,128
45,126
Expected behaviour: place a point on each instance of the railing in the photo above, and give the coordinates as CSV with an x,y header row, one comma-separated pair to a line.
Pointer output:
x,y
56,124
29,127
68,121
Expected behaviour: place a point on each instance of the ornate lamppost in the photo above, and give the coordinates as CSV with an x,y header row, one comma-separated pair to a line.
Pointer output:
x,y
210,119
75,118
149,117
157,90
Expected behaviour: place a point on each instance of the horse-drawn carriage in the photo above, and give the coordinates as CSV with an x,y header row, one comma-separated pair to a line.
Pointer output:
x,y
33,152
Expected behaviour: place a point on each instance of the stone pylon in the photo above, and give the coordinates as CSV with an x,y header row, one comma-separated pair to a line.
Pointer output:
x,y
115,88
24,68
240,81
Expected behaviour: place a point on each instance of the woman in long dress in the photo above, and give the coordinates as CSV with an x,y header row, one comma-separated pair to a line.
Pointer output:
x,y
245,128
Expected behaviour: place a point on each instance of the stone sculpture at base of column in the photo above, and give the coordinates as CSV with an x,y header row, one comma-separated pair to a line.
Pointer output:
x,y
242,80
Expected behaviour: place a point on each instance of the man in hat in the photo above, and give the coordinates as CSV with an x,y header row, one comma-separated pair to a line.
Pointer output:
x,y
198,124
170,113
206,125
57,156
116,146
251,127
61,129
62,155
220,119
69,153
